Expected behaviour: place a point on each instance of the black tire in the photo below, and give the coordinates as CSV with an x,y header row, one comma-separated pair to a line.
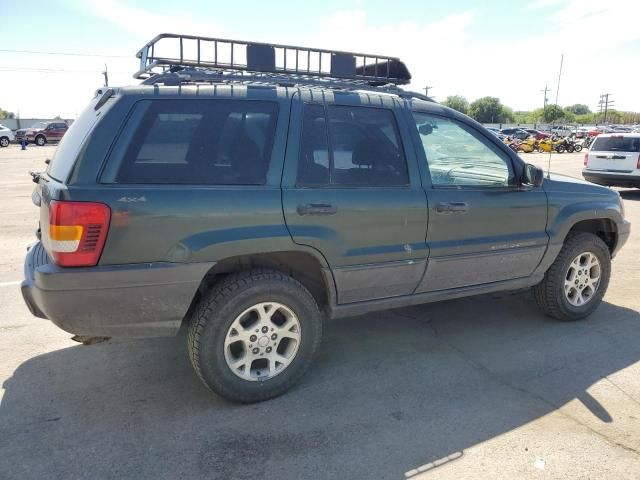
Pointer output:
x,y
560,148
4,142
40,140
577,148
570,148
549,293
221,306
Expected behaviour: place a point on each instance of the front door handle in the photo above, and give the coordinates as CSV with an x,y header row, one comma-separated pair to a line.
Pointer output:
x,y
317,209
452,207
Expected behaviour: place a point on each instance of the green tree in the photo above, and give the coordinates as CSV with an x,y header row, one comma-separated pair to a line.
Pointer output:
x,y
487,110
507,115
457,102
552,113
578,109
6,114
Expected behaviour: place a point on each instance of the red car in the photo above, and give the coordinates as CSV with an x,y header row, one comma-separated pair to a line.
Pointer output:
x,y
537,134
43,132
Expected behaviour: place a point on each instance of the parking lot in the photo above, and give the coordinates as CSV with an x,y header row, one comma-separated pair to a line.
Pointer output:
x,y
484,387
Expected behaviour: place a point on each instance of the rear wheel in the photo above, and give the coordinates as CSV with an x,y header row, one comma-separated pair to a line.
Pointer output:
x,y
254,335
40,140
560,148
577,148
574,285
4,142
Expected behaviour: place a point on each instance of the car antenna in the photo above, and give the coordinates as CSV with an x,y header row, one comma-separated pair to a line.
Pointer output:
x,y
552,123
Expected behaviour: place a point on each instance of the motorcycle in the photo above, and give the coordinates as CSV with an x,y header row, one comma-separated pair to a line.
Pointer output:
x,y
512,143
551,145
528,146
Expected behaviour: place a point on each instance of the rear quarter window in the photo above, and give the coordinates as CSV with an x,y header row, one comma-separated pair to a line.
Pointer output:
x,y
209,142
616,144
65,156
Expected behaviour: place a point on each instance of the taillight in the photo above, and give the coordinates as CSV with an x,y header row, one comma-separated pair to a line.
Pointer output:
x,y
638,163
586,159
77,232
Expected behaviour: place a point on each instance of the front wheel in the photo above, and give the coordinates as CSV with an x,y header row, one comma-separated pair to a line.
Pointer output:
x,y
4,142
577,148
254,335
577,280
560,148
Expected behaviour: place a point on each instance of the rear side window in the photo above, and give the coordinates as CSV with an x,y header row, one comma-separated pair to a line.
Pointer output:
x,y
616,144
209,142
352,147
71,143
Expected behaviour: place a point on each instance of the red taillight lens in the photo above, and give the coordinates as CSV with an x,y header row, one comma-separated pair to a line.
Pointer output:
x,y
77,232
586,159
638,163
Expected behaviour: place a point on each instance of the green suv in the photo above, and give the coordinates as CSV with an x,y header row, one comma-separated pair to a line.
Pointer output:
x,y
246,201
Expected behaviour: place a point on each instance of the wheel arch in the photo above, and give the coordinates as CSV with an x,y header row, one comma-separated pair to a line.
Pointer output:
x,y
307,268
604,228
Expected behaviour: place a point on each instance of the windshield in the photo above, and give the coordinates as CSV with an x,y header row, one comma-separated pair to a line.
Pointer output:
x,y
616,144
39,126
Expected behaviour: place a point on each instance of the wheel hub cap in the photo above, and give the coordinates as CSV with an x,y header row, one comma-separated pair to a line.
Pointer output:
x,y
262,341
582,279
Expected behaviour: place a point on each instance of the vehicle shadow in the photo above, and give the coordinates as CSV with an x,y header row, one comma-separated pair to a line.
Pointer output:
x,y
389,392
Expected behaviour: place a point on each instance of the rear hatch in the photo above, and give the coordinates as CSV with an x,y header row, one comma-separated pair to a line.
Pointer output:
x,y
614,153
52,183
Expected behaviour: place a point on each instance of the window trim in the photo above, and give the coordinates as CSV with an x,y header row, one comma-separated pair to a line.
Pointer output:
x,y
331,185
130,113
513,184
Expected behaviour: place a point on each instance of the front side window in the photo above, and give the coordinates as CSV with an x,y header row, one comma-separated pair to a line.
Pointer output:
x,y
351,147
458,157
209,142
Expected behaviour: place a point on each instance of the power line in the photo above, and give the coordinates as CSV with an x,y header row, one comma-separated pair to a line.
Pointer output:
x,y
71,54
50,70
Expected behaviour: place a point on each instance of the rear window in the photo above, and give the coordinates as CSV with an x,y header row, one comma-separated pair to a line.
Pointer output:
x,y
616,144
210,142
71,143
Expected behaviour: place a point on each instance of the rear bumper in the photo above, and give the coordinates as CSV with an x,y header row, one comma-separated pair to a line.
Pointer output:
x,y
136,300
611,179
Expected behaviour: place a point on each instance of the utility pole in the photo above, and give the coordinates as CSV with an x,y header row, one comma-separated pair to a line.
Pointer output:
x,y
604,105
106,76
426,90
546,99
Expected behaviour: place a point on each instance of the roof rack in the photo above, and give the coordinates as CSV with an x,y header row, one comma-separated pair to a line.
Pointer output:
x,y
215,59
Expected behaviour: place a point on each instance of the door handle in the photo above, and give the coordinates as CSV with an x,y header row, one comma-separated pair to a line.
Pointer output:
x,y
317,209
452,207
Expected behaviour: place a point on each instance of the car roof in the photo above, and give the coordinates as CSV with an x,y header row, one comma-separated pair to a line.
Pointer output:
x,y
619,134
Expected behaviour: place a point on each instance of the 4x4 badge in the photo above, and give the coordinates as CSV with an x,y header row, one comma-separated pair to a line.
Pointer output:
x,y
132,199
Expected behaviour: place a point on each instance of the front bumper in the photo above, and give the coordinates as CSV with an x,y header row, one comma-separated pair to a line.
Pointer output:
x,y
623,229
134,300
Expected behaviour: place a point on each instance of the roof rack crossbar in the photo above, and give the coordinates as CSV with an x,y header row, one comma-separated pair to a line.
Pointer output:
x,y
172,52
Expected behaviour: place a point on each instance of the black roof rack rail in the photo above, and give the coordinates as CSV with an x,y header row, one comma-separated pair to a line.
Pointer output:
x,y
171,53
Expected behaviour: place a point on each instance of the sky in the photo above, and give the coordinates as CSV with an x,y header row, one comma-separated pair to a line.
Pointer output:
x,y
504,48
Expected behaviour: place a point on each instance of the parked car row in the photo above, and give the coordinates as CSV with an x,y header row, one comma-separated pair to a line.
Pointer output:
x,y
40,134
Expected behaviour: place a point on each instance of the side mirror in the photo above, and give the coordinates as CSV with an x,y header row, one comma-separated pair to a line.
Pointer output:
x,y
425,129
532,175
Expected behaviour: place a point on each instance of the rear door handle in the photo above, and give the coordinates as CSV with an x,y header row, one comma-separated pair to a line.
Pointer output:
x,y
452,207
317,209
